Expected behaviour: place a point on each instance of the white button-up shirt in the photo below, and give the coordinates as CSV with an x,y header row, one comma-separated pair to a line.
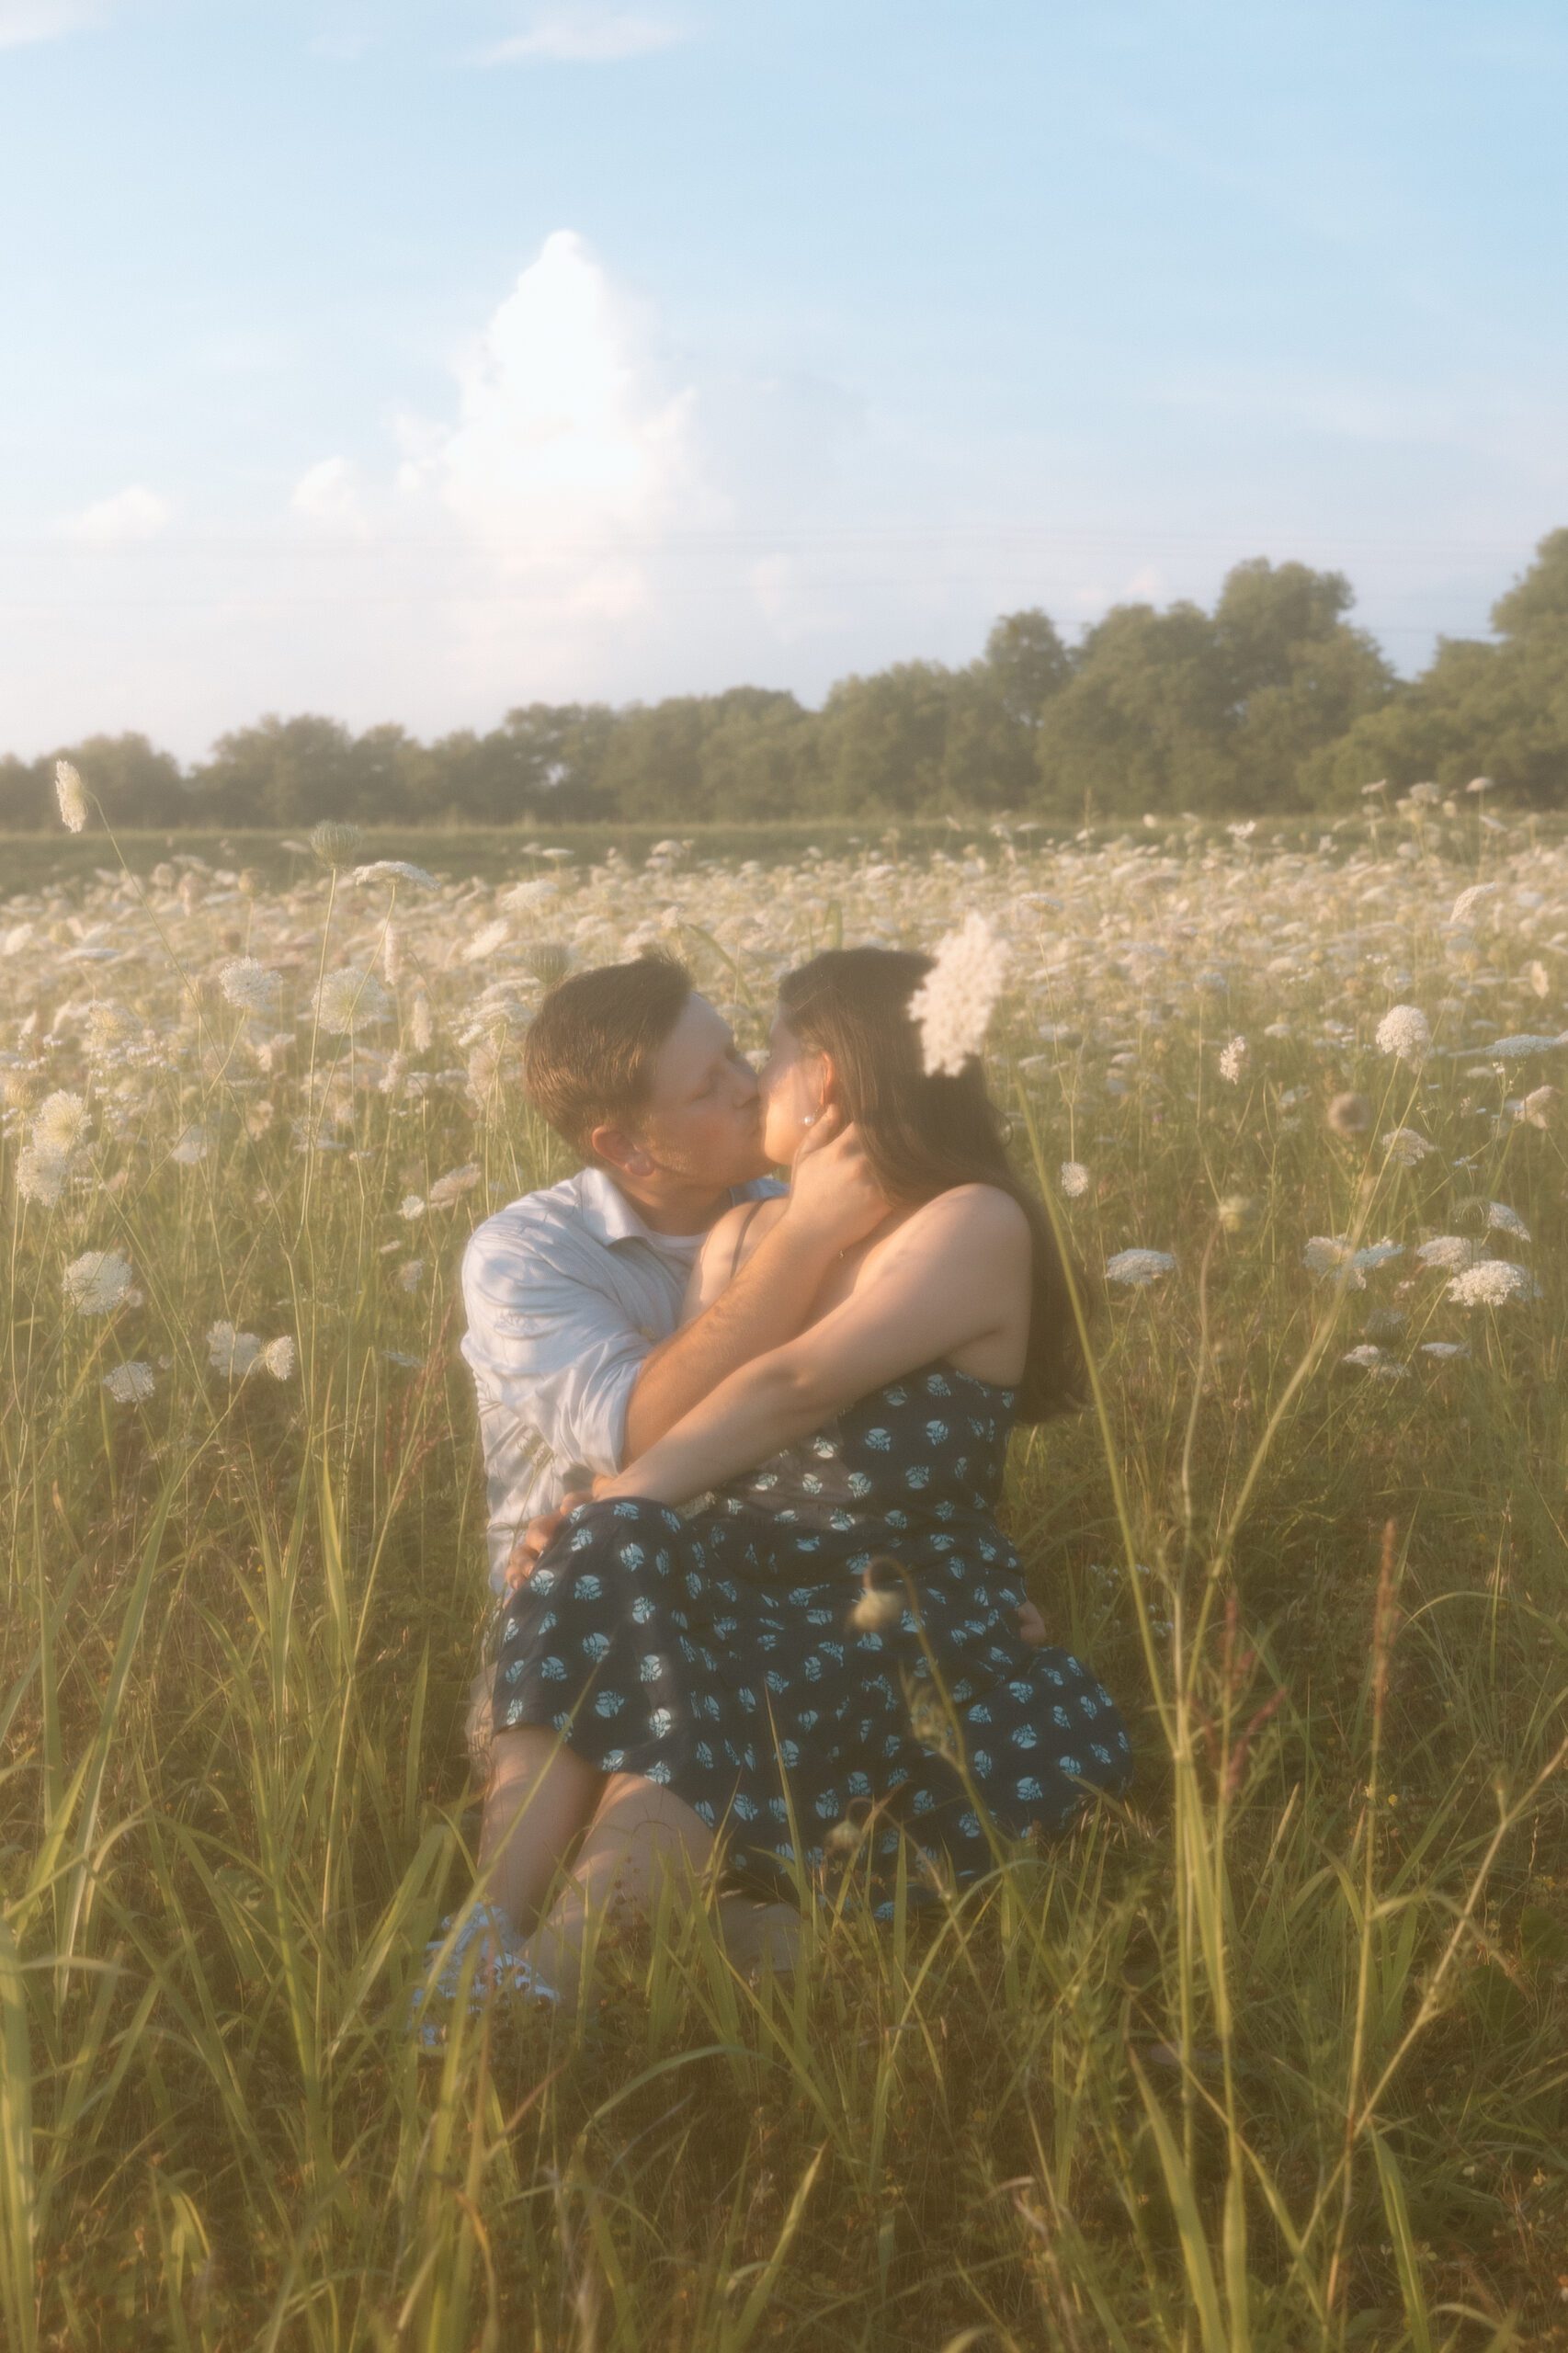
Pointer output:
x,y
567,1290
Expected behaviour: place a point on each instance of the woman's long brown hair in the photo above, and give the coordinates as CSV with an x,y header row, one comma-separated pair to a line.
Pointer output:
x,y
923,1135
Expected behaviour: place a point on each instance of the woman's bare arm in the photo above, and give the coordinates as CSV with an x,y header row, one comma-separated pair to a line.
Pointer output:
x,y
956,1273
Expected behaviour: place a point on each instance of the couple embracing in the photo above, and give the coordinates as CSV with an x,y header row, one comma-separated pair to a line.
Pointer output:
x,y
744,1447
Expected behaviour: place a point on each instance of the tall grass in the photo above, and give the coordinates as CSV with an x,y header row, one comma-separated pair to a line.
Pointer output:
x,y
1270,2056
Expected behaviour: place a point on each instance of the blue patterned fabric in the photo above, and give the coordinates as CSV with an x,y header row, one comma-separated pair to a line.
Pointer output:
x,y
714,1654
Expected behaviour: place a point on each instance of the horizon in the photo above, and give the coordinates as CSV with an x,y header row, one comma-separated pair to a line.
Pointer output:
x,y
411,365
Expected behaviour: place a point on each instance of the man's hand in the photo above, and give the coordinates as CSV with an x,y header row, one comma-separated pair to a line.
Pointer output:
x,y
835,1198
1032,1625
535,1538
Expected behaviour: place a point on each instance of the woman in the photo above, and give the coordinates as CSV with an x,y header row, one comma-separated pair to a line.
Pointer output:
x,y
733,1654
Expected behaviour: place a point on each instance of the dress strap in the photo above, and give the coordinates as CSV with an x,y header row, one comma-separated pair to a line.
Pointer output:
x,y
743,1229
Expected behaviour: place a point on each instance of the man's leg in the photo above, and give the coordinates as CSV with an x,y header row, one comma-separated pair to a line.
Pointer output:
x,y
541,1794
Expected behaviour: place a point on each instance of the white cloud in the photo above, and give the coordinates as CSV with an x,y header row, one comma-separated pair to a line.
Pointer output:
x,y
584,37
22,22
570,460
131,515
328,493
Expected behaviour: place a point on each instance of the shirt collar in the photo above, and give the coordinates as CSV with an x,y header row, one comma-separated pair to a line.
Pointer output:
x,y
611,1217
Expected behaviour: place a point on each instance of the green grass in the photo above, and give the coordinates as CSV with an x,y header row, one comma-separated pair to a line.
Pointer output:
x,y
1271,2057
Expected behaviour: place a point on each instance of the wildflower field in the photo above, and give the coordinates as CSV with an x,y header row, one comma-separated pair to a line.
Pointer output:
x,y
1272,2055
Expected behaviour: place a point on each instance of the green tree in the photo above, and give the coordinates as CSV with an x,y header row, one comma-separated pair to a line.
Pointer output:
x,y
1496,710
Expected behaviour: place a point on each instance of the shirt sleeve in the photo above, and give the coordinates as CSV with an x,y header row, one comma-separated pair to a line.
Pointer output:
x,y
554,1348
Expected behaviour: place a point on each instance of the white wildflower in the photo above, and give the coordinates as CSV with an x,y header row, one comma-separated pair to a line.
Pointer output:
x,y
1445,1348
1537,1108
1404,1031
61,1122
1233,1060
232,1353
410,1274
1377,1361
452,1187
392,955
1468,901
487,940
421,1029
1405,1148
1325,1255
1491,1283
249,987
1449,1252
527,898
1501,1219
1137,1268
70,796
1519,1046
350,999
394,869
98,1282
110,1028
131,1384
280,1359
411,1207
41,1172
952,1004
1074,1179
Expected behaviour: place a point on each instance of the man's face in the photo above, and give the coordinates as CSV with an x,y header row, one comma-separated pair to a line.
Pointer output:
x,y
702,1120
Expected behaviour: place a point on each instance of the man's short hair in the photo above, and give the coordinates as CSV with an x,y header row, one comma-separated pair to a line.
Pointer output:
x,y
588,1053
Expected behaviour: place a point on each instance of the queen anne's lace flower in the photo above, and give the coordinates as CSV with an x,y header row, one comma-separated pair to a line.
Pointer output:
x,y
1325,1255
1405,1147
1519,1048
952,1006
98,1282
1233,1060
487,940
1074,1179
247,984
280,1359
131,1384
61,1122
41,1172
1137,1268
349,1000
454,1185
394,869
1406,1033
1491,1283
1449,1252
232,1353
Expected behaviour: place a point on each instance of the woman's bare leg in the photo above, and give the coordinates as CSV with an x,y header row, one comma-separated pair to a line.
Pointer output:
x,y
640,1832
639,1836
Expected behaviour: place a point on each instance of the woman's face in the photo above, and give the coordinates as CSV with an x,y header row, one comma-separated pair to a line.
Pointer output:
x,y
792,1080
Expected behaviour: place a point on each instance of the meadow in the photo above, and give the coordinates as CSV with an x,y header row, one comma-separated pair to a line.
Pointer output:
x,y
1270,2055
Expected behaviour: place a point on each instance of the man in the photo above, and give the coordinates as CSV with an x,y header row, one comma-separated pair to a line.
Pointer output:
x,y
574,1295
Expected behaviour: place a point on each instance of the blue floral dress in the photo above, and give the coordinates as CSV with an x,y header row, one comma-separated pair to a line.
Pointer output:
x,y
713,1650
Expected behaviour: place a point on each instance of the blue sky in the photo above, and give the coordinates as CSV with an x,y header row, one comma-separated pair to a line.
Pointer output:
x,y
407,361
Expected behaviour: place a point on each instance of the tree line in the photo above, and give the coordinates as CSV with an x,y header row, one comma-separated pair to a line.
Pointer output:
x,y
1272,703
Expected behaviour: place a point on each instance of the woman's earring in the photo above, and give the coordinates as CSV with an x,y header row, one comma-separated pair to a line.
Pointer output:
x,y
808,1118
